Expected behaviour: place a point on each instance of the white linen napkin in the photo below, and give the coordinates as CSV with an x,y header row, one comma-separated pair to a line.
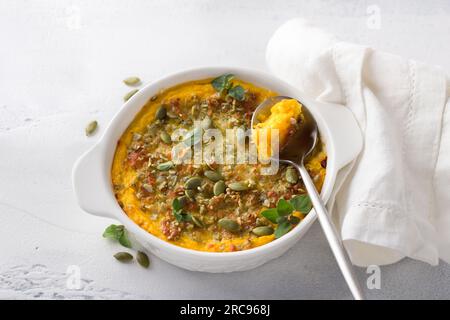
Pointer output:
x,y
394,200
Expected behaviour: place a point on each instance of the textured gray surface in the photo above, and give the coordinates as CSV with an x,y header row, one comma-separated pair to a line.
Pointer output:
x,y
62,64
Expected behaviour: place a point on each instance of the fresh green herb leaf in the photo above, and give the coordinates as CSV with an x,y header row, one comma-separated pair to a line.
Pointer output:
x,y
282,228
301,203
237,93
113,232
177,210
294,220
224,86
270,214
222,83
124,241
176,205
181,216
118,233
284,207
178,215
281,220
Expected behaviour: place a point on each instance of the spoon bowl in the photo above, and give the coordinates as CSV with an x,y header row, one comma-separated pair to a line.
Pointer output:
x,y
303,140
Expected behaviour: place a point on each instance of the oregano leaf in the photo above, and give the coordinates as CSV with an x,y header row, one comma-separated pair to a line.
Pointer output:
x,y
284,207
270,214
302,203
283,228
124,241
118,233
237,92
222,83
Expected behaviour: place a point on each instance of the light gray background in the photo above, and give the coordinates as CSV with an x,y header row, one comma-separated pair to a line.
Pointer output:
x,y
61,65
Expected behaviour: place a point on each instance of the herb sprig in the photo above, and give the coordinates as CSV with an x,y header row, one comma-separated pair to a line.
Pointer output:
x,y
177,210
282,214
118,233
224,86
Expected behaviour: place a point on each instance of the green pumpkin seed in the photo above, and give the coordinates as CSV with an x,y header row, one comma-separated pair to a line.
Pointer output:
x,y
190,194
213,175
154,98
165,137
123,256
132,81
165,166
183,200
142,259
229,225
171,115
238,186
197,222
263,231
291,175
161,113
147,187
206,123
219,188
294,220
91,127
130,94
193,183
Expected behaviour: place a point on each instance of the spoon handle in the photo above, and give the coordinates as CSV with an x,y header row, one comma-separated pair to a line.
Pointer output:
x,y
332,235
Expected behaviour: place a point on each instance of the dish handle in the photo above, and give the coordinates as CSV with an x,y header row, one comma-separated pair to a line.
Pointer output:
x,y
91,183
345,132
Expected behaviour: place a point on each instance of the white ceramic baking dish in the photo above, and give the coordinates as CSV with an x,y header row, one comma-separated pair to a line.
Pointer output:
x,y
93,188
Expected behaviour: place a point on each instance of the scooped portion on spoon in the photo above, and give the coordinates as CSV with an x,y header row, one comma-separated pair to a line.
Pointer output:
x,y
298,135
284,116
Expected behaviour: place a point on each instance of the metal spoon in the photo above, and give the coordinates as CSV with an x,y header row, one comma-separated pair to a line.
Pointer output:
x,y
294,152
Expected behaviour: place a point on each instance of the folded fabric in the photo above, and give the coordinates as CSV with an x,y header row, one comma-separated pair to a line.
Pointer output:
x,y
394,200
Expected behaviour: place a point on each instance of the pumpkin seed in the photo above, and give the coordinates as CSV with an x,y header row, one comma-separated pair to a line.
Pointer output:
x,y
219,188
291,175
190,194
197,222
294,220
165,137
183,200
171,115
91,127
262,231
229,225
142,259
161,113
132,81
130,94
238,186
147,187
165,166
154,98
193,183
206,123
213,175
123,256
